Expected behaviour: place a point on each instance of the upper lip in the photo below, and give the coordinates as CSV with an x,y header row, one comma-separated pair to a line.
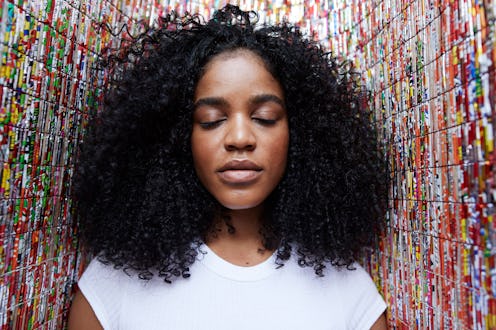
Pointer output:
x,y
240,164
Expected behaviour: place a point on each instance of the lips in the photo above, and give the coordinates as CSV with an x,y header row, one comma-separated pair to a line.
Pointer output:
x,y
239,172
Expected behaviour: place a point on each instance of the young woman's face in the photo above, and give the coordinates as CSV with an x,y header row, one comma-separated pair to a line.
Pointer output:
x,y
240,130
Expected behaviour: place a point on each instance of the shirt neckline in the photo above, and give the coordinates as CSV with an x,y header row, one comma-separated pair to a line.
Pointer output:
x,y
223,268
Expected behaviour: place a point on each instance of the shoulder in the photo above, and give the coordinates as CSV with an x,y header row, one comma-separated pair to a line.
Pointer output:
x,y
349,295
361,300
354,278
351,283
100,277
104,288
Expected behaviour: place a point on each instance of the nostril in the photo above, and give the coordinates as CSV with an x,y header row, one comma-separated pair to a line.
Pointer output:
x,y
233,147
240,136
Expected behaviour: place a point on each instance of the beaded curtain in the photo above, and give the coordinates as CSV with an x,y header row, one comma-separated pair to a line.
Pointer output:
x,y
429,68
47,50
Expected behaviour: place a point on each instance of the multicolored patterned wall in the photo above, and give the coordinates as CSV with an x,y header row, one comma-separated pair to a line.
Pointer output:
x,y
48,51
430,69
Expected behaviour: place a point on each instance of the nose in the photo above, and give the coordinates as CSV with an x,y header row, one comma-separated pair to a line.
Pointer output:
x,y
240,134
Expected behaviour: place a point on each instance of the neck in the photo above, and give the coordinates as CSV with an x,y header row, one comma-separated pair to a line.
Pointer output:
x,y
236,237
238,225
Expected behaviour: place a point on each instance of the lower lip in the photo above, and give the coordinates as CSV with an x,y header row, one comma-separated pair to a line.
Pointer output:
x,y
239,176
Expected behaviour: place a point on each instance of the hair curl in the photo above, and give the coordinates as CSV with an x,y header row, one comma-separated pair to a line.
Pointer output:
x,y
139,201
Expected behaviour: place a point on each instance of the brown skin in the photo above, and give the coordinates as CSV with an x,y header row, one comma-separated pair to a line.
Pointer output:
x,y
242,105
246,106
239,115
381,323
82,316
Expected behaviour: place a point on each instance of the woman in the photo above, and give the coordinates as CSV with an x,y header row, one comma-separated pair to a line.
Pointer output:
x,y
229,183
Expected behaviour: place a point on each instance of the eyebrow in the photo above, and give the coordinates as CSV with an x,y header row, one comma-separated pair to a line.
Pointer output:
x,y
264,98
255,100
212,101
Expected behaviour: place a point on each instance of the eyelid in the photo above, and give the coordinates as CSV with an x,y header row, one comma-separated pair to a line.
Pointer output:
x,y
206,114
269,108
211,123
265,121
267,115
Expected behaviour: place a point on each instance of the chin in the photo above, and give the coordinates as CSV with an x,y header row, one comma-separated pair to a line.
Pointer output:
x,y
236,205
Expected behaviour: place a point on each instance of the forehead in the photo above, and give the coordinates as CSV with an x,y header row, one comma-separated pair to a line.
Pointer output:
x,y
232,54
239,73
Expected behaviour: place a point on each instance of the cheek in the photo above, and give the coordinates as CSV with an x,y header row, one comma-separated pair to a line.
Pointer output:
x,y
203,149
277,154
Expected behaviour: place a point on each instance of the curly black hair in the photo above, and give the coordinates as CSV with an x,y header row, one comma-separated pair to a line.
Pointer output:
x,y
139,202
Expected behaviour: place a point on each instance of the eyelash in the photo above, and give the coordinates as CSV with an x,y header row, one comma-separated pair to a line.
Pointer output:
x,y
213,124
265,122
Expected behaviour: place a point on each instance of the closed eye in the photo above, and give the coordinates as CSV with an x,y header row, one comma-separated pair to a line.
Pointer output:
x,y
265,122
211,124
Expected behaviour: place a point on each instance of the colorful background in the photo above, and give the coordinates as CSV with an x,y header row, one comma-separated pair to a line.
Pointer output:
x,y
430,70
